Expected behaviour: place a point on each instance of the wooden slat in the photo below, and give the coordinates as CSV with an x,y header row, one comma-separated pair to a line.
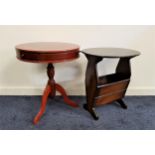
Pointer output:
x,y
109,98
112,88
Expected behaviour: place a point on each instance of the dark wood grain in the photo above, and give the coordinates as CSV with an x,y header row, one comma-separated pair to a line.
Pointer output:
x,y
91,83
112,87
108,88
109,98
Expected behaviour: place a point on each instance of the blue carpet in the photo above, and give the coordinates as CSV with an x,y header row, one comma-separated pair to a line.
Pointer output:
x,y
17,112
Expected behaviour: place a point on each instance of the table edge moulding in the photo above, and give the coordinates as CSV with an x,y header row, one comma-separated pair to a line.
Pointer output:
x,y
55,55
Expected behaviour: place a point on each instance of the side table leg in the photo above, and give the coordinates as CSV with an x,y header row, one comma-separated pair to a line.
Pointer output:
x,y
123,105
50,90
46,93
91,111
91,80
64,94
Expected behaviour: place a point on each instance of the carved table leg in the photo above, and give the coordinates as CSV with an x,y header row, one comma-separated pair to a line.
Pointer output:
x,y
91,111
46,93
124,68
123,105
51,81
51,90
63,93
91,83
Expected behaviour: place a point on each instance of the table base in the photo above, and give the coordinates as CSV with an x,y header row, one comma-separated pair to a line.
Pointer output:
x,y
50,90
101,90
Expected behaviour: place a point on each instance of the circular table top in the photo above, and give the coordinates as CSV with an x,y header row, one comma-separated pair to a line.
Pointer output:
x,y
47,51
111,52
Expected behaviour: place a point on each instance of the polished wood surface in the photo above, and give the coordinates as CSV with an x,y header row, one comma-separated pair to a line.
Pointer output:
x,y
91,80
48,47
108,88
47,52
109,98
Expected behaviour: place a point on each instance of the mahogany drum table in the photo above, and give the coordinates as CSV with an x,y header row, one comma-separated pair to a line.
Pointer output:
x,y
48,52
106,89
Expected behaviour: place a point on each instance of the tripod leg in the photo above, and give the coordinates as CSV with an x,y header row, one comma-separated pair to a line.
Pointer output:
x,y
61,90
46,93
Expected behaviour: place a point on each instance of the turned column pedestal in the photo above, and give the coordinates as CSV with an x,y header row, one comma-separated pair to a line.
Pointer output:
x,y
50,90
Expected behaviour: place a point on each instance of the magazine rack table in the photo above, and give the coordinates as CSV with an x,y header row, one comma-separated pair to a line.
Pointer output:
x,y
48,52
106,89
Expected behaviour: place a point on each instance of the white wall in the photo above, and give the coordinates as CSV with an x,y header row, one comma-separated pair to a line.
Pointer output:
x,y
20,78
